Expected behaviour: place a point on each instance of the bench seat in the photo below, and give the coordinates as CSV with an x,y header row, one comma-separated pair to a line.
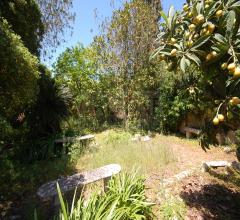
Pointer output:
x,y
190,131
78,180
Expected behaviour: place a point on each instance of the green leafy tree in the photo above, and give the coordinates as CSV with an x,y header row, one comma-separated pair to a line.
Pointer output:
x,y
206,34
56,16
18,73
51,106
24,95
25,19
125,46
21,31
76,68
44,118
180,94
40,23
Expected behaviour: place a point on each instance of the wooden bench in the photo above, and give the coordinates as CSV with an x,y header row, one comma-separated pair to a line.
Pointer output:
x,y
49,190
58,143
190,131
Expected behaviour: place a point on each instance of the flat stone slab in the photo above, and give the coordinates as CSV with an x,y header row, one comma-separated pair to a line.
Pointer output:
x,y
77,180
178,177
214,164
74,139
228,150
192,130
141,138
145,138
85,137
220,163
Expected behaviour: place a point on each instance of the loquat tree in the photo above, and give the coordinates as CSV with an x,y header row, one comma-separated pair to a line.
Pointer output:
x,y
206,34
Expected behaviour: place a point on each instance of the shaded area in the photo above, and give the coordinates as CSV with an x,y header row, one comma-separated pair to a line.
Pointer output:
x,y
213,201
232,177
19,183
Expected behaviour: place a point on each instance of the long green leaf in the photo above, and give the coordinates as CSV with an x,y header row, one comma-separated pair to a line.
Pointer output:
x,y
194,58
183,64
63,206
164,16
171,14
202,40
220,38
230,25
235,5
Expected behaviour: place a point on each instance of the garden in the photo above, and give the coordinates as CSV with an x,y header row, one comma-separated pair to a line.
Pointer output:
x,y
142,123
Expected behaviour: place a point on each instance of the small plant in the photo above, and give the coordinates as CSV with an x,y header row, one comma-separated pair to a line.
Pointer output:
x,y
125,199
173,208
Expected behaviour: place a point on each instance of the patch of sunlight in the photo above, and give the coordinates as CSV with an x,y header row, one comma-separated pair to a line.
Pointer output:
x,y
117,146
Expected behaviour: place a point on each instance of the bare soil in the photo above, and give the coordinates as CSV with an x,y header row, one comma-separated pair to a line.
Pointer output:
x,y
214,195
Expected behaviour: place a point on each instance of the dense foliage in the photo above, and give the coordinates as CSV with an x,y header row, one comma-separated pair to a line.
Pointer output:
x,y
76,69
24,17
16,64
57,16
32,106
127,40
50,107
114,80
179,95
206,34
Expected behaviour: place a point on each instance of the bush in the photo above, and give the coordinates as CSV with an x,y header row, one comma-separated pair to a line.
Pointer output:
x,y
117,137
125,199
179,95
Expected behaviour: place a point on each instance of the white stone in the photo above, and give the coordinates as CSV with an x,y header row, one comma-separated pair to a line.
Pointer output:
x,y
145,138
228,149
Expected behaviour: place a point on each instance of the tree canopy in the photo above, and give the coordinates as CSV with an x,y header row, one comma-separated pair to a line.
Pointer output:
x,y
125,46
57,17
18,73
76,69
25,19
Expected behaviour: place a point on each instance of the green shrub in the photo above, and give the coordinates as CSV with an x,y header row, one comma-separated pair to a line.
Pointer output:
x,y
180,94
116,138
16,65
125,199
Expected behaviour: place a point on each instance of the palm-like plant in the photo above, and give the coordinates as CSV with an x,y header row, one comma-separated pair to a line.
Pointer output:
x,y
45,116
50,108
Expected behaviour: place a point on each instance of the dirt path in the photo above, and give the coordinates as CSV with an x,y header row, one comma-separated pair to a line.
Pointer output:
x,y
189,153
189,156
207,196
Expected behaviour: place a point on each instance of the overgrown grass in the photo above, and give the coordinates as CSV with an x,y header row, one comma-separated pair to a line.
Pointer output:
x,y
117,146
